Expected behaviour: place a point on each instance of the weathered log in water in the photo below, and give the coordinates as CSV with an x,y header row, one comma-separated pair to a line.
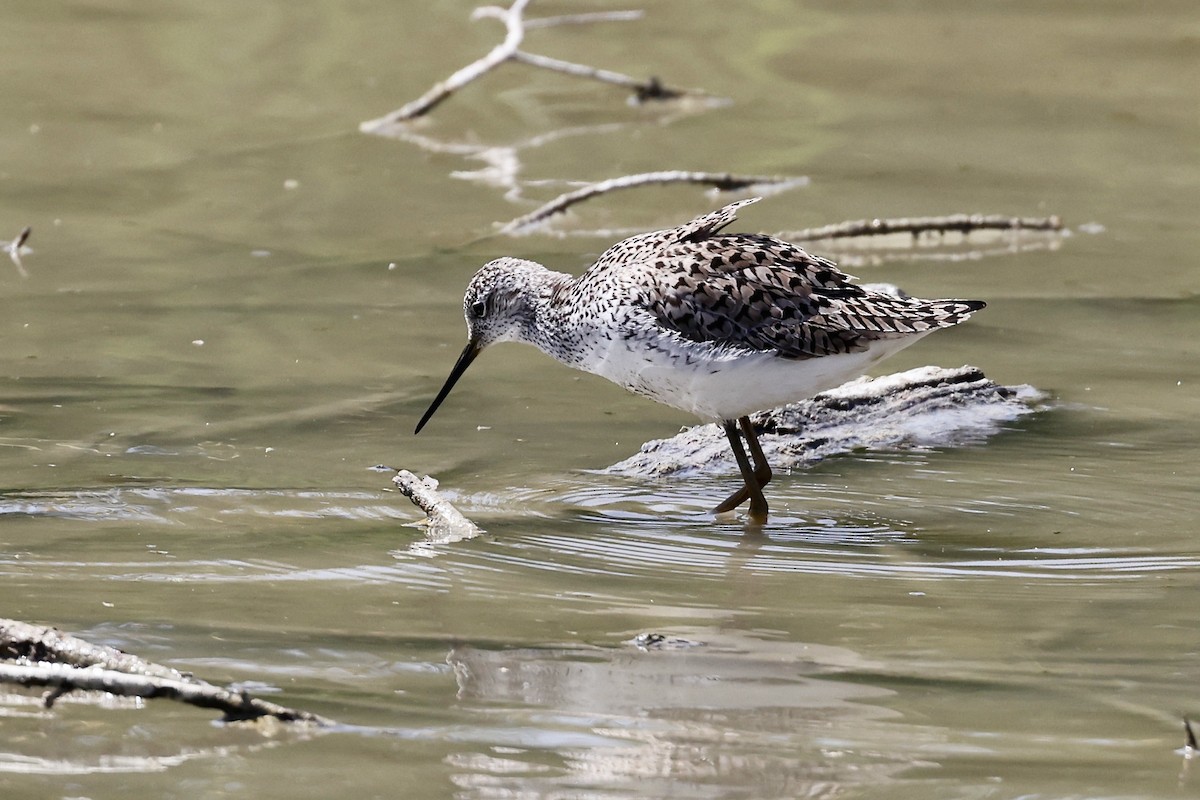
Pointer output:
x,y
923,407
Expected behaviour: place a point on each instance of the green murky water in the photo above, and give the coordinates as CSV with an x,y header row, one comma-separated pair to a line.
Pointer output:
x,y
236,303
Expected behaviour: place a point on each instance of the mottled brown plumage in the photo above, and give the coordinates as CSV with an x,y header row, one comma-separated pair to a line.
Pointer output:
x,y
762,293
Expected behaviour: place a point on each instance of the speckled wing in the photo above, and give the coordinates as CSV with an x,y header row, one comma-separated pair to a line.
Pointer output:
x,y
760,293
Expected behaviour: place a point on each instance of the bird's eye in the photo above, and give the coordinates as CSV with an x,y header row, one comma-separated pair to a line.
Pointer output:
x,y
478,308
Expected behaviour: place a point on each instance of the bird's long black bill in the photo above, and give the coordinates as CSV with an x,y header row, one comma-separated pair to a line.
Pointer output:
x,y
468,355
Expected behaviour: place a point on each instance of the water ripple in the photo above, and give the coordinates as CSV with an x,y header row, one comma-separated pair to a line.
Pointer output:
x,y
630,556
608,529
172,505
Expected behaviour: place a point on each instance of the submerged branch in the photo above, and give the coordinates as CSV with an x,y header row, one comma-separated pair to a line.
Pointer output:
x,y
32,655
722,181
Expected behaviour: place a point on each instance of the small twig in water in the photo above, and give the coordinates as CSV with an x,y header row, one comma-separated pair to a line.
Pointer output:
x,y
13,249
442,515
722,181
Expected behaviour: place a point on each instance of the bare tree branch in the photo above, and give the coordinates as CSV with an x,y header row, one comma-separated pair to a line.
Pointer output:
x,y
64,678
508,50
722,181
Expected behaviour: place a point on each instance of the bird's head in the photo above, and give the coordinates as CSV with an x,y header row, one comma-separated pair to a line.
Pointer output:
x,y
498,307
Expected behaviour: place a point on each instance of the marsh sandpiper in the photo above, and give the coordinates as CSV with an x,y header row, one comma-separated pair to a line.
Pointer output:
x,y
716,324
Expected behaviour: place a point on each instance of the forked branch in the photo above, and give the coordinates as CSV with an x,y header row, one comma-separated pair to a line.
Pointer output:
x,y
722,181
509,50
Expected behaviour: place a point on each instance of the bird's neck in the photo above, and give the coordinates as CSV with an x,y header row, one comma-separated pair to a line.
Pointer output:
x,y
553,324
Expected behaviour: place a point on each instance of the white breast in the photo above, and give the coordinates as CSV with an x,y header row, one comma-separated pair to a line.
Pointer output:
x,y
721,383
